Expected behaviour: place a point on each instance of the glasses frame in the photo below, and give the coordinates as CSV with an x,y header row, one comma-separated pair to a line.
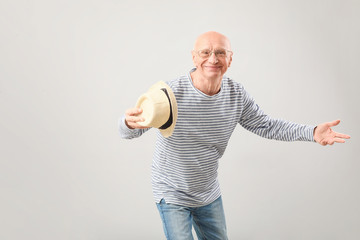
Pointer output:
x,y
213,52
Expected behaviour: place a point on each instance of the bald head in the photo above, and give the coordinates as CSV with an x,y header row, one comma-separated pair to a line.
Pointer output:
x,y
212,40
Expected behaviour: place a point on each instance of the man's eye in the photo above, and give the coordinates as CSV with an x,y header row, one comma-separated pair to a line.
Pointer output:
x,y
206,52
220,53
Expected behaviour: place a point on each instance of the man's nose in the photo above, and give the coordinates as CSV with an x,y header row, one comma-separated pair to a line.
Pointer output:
x,y
213,59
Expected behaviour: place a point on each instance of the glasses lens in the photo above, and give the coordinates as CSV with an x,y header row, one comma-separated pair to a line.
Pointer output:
x,y
205,53
221,53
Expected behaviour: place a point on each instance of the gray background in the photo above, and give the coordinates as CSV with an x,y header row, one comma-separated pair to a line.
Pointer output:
x,y
70,69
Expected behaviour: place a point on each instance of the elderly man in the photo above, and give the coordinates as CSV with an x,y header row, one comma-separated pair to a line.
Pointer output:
x,y
184,169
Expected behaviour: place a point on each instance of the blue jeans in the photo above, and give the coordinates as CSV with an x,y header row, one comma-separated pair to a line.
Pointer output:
x,y
208,221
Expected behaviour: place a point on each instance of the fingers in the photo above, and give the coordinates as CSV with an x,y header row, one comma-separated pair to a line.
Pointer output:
x,y
133,111
339,140
134,119
341,135
132,125
336,140
332,140
131,118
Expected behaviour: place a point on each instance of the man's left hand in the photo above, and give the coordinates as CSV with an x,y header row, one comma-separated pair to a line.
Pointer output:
x,y
324,135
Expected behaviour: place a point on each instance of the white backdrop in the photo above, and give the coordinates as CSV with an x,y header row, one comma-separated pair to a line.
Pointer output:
x,y
69,70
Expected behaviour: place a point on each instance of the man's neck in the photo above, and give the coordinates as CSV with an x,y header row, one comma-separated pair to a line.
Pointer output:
x,y
208,86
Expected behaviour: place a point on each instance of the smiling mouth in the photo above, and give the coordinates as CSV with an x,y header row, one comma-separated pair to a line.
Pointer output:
x,y
213,67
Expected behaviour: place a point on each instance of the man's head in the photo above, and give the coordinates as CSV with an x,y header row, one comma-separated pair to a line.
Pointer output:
x,y
212,55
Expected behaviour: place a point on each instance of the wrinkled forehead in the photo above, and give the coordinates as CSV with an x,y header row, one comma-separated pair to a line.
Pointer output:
x,y
212,41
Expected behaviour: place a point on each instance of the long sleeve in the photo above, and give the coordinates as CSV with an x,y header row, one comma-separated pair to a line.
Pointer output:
x,y
128,133
255,120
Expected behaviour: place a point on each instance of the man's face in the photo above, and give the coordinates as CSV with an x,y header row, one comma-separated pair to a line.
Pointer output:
x,y
212,55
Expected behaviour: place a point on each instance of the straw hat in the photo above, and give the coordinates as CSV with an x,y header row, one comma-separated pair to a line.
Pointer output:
x,y
159,108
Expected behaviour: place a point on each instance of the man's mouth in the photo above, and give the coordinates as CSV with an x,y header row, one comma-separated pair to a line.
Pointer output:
x,y
213,67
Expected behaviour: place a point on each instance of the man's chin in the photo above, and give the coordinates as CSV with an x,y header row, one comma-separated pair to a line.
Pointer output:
x,y
213,73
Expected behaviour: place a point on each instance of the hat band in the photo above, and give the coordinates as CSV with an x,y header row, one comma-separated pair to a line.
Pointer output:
x,y
170,120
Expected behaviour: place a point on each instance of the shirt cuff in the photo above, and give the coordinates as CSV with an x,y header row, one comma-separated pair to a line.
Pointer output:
x,y
125,131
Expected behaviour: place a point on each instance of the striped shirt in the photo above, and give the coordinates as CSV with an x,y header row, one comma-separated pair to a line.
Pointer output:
x,y
184,169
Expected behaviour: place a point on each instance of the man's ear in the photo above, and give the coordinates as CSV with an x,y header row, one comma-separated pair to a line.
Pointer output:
x,y
230,60
193,57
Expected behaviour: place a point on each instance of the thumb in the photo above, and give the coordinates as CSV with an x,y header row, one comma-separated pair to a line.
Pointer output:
x,y
334,123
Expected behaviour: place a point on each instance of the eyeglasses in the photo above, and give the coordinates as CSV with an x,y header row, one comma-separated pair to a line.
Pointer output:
x,y
219,53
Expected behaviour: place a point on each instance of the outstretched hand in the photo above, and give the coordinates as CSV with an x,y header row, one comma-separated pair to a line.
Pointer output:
x,y
324,135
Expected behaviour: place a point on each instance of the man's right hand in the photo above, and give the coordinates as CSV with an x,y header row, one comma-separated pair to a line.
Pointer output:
x,y
131,119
